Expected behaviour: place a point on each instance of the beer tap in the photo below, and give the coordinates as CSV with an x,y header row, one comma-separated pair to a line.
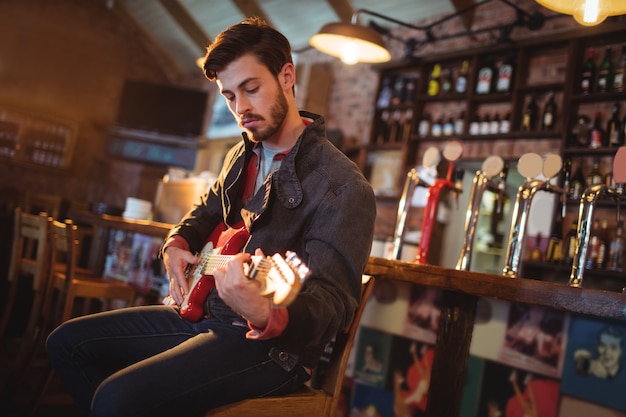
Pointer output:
x,y
430,160
530,165
585,213
452,152
484,179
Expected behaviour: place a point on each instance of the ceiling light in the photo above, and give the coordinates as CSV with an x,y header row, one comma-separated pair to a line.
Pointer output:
x,y
586,12
351,43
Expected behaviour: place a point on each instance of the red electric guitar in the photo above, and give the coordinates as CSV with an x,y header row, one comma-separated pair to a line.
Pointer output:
x,y
281,277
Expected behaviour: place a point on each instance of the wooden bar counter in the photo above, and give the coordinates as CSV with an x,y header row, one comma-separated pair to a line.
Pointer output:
x,y
461,292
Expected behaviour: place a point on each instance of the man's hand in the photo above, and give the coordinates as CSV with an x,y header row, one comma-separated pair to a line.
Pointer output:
x,y
176,261
241,293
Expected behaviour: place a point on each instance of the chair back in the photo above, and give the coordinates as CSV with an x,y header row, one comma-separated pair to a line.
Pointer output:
x,y
41,202
29,258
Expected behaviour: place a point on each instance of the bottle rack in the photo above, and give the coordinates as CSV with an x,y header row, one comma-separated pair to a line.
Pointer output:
x,y
36,140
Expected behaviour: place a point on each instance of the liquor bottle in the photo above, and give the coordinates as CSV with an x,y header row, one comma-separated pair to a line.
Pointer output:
x,y
605,72
474,128
446,81
437,127
384,97
394,126
554,252
505,123
619,79
580,132
434,82
408,93
484,124
603,245
461,81
459,124
571,243
549,113
485,77
595,176
597,134
448,127
407,121
504,81
593,245
613,127
616,249
588,73
494,125
398,91
424,126
383,128
530,115
578,183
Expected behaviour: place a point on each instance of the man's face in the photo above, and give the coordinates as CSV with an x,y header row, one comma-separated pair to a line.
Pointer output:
x,y
254,97
609,350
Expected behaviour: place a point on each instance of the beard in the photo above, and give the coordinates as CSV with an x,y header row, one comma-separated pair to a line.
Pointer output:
x,y
278,113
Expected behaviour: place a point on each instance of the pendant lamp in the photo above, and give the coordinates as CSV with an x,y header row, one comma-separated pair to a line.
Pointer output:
x,y
587,12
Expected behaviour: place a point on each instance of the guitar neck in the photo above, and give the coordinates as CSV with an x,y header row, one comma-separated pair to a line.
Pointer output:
x,y
214,261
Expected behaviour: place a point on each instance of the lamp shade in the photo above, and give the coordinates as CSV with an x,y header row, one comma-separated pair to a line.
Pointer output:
x,y
586,12
351,43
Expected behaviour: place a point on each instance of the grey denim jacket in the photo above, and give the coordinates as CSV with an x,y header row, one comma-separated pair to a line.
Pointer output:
x,y
319,205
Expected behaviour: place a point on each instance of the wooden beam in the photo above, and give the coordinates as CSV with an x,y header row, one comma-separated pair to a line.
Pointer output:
x,y
343,9
467,18
251,8
187,23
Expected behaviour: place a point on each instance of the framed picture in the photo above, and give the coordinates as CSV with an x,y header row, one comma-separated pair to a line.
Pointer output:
x,y
384,171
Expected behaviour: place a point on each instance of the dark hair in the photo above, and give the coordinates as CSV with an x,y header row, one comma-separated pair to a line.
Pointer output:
x,y
251,35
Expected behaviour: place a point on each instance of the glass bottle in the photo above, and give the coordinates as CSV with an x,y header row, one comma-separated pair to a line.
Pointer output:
x,y
593,245
571,243
424,126
613,127
459,124
580,132
384,97
595,176
504,81
484,124
434,82
461,81
597,134
616,249
605,72
549,113
446,81
530,115
474,128
448,127
588,73
485,77
505,123
494,125
619,79
578,183
554,252
437,127
603,245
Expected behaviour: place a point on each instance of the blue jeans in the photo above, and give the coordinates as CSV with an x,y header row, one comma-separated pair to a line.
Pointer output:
x,y
148,361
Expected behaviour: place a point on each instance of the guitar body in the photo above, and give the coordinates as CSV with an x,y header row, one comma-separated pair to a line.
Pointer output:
x,y
223,241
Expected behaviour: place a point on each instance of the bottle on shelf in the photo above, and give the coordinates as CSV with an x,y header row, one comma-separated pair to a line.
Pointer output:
x,y
394,126
459,124
603,245
605,72
408,93
597,133
616,249
581,132
448,126
384,97
434,81
485,77
474,128
571,243
619,78
613,128
595,176
423,128
529,119
548,118
383,128
494,125
554,252
535,254
446,81
504,82
485,124
594,245
437,128
407,120
588,73
578,183
505,124
460,86
398,91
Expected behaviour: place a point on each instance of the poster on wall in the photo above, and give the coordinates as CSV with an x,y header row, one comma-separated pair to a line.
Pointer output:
x,y
593,369
422,317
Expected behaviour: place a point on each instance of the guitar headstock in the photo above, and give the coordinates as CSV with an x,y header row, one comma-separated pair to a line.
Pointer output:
x,y
282,277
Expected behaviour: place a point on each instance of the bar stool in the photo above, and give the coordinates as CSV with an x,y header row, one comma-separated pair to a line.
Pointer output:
x,y
320,401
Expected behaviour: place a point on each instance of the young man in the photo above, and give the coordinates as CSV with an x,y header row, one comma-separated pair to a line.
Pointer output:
x,y
292,190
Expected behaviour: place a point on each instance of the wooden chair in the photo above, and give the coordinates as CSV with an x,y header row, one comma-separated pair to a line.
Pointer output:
x,y
29,260
307,402
41,202
72,282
